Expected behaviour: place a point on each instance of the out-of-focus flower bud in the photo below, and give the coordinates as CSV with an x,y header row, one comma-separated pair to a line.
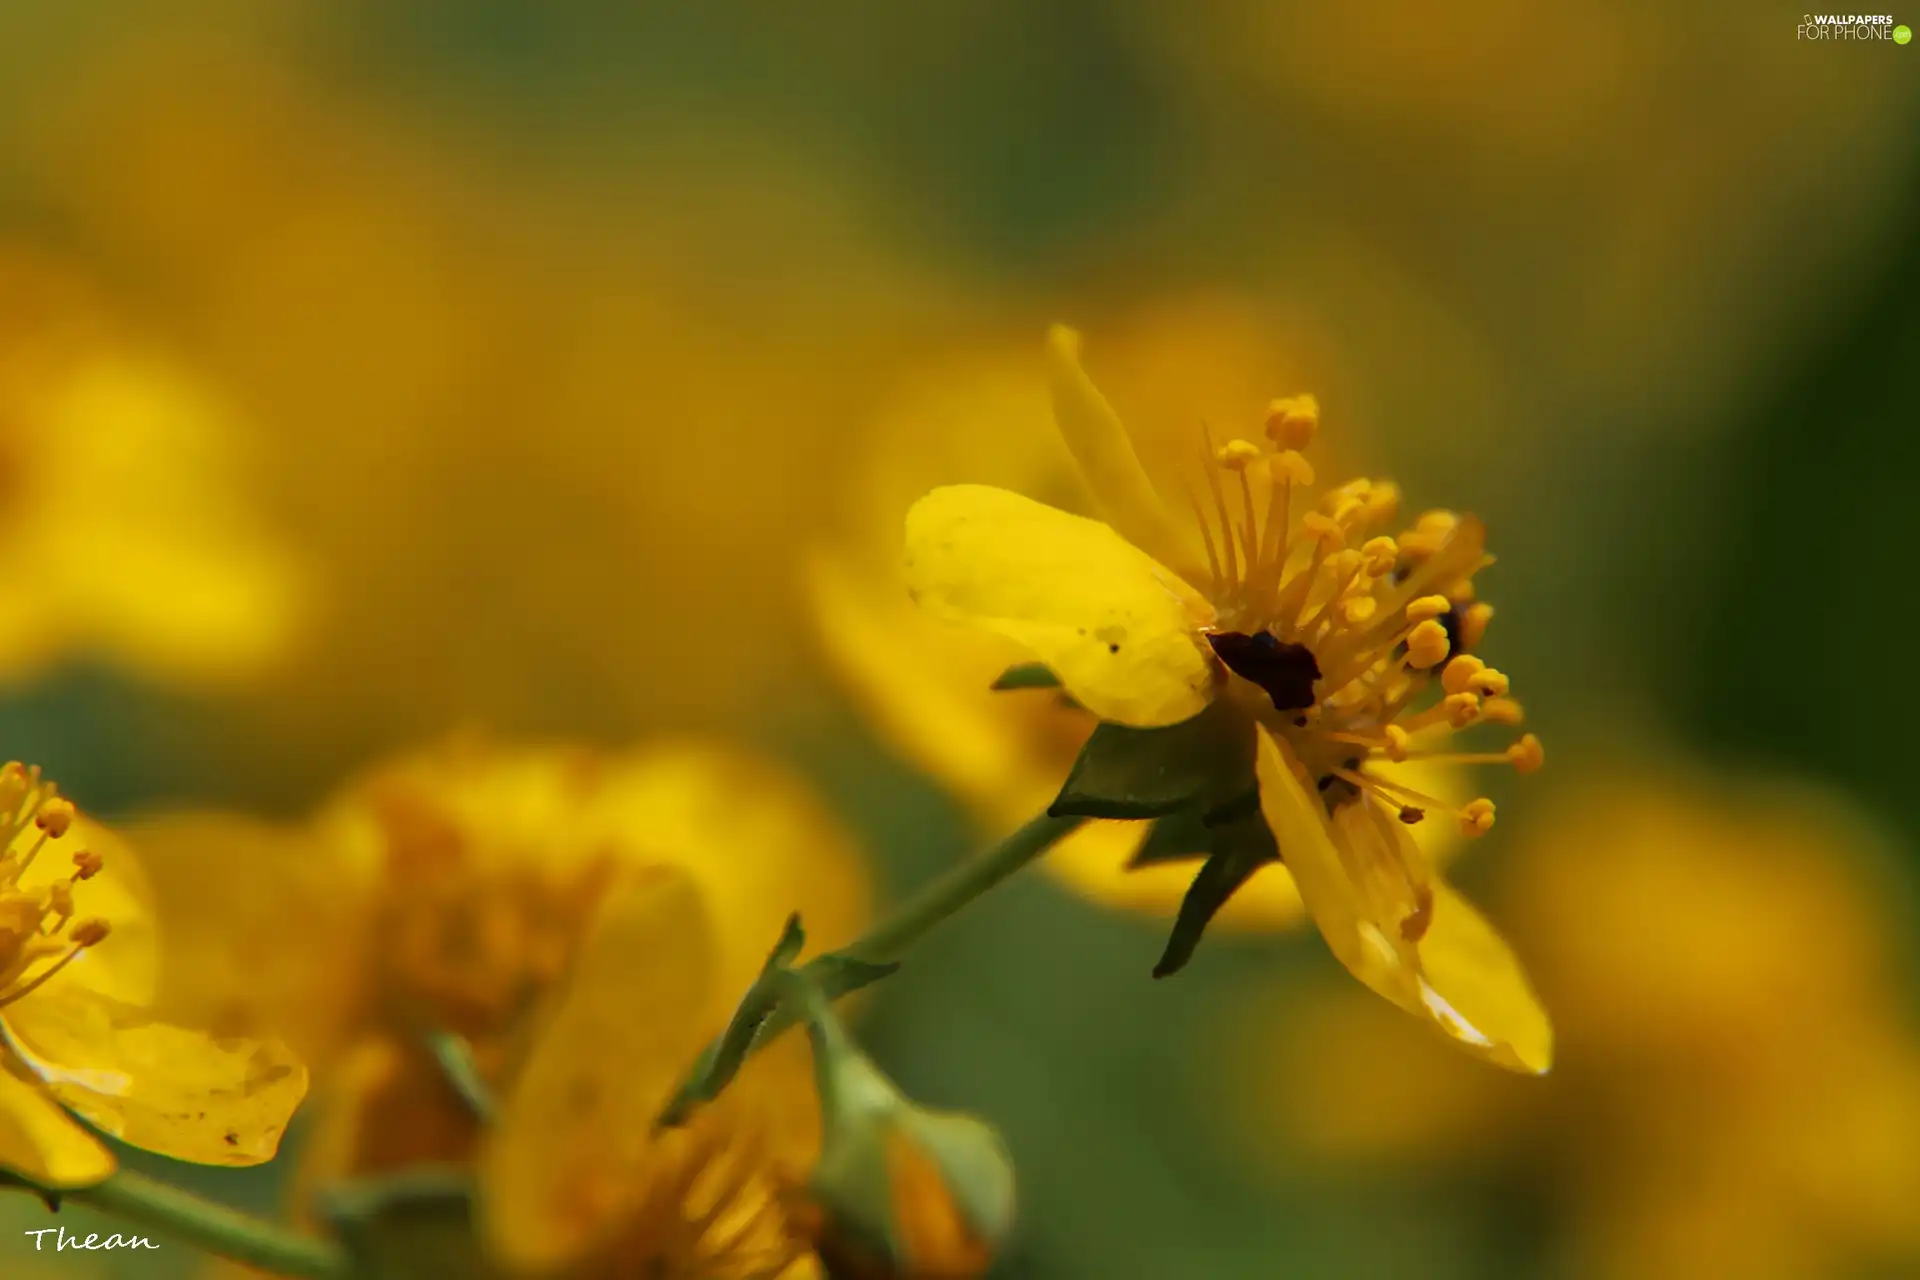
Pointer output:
x,y
901,1192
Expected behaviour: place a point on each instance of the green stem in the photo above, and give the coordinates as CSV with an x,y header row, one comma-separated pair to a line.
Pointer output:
x,y
917,916
214,1227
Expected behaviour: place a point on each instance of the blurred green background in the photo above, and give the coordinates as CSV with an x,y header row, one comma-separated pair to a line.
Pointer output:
x,y
542,334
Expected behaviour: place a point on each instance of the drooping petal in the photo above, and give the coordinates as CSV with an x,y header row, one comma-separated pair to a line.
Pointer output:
x,y
1335,895
573,1135
1100,444
1120,630
41,1141
1475,990
1398,928
154,1085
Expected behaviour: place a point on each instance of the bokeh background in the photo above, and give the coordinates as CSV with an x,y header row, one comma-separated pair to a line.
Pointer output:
x,y
371,372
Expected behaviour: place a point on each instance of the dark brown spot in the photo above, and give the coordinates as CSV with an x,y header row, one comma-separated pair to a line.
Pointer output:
x,y
232,1139
1411,816
1286,671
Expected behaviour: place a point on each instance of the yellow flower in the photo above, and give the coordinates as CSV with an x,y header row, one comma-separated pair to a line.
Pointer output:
x,y
76,983
125,530
1739,1079
575,1180
1324,644
447,892
983,415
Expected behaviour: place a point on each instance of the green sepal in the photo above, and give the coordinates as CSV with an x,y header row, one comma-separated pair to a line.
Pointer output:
x,y
1187,834
1131,773
1026,675
411,1224
1240,848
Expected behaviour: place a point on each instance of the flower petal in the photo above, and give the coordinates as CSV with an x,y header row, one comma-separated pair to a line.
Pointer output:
x,y
153,1085
1476,991
1341,904
1100,444
265,933
574,1132
1452,970
41,1141
1120,630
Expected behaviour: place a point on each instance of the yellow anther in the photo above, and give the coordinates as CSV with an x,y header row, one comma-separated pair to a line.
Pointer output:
x,y
1398,742
1381,555
1383,502
1428,607
55,817
1460,591
1290,468
1237,455
1489,683
1340,565
1473,624
1322,529
1527,754
90,933
60,898
1357,610
87,864
1427,645
1461,709
1293,420
1458,677
1505,711
1437,521
1476,818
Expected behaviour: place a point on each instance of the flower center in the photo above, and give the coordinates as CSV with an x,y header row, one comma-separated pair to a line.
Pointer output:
x,y
39,935
1359,639
470,936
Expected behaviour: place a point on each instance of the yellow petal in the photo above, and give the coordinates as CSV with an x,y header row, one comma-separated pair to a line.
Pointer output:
x,y
265,934
154,1085
1120,630
1100,444
1476,991
40,1140
575,1130
126,965
757,843
1458,975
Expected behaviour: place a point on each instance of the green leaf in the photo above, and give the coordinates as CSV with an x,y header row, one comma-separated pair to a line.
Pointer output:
x,y
1026,675
1240,848
408,1226
840,975
1132,773
1187,834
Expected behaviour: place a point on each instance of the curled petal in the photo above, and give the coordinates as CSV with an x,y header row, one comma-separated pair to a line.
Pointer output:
x,y
1120,630
1100,444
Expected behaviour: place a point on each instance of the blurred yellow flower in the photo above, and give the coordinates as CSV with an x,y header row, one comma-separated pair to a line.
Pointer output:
x,y
446,892
126,526
79,1033
513,417
1739,1078
1320,656
984,416
576,1181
